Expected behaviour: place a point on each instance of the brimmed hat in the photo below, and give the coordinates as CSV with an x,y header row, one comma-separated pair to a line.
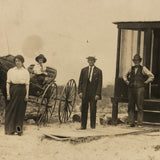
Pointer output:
x,y
91,58
137,57
41,56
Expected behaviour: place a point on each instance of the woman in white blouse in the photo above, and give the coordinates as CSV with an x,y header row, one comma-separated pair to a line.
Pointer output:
x,y
17,95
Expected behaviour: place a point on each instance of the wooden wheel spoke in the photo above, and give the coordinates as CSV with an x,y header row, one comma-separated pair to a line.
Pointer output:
x,y
63,97
63,112
67,115
71,103
71,98
70,110
72,93
63,116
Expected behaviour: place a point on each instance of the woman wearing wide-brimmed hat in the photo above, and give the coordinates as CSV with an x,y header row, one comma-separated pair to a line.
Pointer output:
x,y
40,69
136,79
17,96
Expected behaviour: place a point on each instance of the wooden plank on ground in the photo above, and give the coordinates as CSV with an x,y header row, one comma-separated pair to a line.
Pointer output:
x,y
80,139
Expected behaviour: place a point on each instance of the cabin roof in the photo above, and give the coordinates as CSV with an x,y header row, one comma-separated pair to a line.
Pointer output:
x,y
138,24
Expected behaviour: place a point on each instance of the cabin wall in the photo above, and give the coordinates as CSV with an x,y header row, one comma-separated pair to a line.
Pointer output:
x,y
142,38
132,42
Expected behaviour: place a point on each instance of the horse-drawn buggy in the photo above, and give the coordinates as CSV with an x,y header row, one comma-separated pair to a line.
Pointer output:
x,y
43,96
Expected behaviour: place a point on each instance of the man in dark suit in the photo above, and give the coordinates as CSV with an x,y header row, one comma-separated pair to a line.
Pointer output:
x,y
89,90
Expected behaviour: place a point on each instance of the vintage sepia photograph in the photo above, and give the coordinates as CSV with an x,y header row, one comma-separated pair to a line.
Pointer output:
x,y
79,80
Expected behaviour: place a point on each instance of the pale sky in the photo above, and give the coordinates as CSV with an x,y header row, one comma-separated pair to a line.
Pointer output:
x,y
67,31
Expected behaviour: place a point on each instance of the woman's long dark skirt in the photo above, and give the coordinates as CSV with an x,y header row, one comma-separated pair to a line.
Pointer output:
x,y
15,109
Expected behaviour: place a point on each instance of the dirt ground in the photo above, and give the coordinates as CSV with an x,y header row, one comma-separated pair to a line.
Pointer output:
x,y
34,146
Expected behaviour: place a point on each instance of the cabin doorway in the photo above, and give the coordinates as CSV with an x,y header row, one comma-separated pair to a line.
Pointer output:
x,y
155,61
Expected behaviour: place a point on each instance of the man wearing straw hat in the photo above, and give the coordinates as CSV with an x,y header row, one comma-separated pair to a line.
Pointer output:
x,y
136,78
89,89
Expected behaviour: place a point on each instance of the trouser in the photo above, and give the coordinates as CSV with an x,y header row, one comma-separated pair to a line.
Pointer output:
x,y
15,109
135,97
84,112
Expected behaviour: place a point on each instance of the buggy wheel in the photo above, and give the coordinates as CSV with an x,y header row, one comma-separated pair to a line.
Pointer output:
x,y
47,104
52,98
67,101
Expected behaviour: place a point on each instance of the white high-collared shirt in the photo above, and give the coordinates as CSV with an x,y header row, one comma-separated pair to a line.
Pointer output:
x,y
18,76
37,68
90,78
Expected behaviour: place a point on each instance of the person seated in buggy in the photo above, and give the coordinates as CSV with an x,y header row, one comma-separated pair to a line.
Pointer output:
x,y
40,75
39,70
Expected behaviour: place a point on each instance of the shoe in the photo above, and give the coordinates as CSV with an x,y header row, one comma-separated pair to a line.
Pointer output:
x,y
139,126
19,130
20,134
132,125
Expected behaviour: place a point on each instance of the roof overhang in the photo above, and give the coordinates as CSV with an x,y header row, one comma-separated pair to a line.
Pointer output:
x,y
138,25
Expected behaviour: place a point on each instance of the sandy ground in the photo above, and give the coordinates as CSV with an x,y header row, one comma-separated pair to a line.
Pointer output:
x,y
34,146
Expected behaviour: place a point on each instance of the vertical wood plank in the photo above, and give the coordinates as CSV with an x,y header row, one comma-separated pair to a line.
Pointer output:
x,y
117,62
138,41
147,53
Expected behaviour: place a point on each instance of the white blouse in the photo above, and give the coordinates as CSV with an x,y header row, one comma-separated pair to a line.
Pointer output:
x,y
18,76
37,68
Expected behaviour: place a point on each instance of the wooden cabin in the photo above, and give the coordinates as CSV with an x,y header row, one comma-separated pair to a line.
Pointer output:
x,y
142,38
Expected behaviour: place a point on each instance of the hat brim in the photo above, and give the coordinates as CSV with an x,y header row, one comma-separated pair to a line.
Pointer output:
x,y
139,59
92,58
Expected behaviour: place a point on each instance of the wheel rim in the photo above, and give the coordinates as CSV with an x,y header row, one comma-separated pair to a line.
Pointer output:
x,y
67,101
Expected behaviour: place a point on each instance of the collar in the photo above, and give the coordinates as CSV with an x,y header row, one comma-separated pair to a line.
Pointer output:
x,y
92,66
136,66
15,68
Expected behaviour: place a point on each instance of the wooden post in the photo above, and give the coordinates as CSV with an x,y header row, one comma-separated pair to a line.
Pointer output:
x,y
138,42
147,47
114,100
147,53
151,63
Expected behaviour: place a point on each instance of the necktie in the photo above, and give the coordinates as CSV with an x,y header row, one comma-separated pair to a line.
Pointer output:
x,y
90,70
135,69
135,66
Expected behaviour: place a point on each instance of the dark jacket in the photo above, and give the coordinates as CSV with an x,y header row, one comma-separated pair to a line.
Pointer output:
x,y
96,82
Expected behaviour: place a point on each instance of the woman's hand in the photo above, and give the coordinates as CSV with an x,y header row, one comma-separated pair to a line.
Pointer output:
x,y
8,97
97,97
26,98
80,95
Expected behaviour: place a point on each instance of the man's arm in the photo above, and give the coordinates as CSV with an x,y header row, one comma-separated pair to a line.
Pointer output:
x,y
8,90
27,85
80,82
36,69
149,74
99,87
125,76
8,85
